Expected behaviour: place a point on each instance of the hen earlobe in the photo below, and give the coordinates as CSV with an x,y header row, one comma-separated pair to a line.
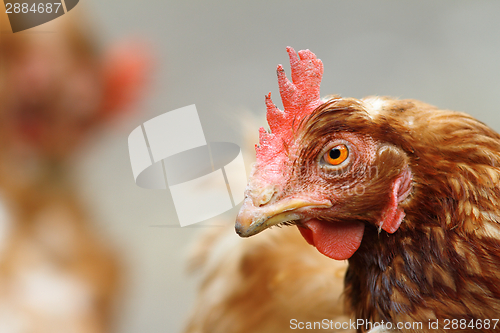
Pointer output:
x,y
393,214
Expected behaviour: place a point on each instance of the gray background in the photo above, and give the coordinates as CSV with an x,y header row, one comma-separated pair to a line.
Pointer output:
x,y
222,56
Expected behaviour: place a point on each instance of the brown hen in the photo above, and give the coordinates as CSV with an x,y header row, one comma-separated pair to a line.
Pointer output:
x,y
406,192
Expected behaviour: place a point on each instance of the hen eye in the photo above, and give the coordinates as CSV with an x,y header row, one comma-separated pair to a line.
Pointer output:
x,y
336,155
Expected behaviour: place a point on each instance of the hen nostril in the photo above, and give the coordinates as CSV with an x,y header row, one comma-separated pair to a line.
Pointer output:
x,y
265,195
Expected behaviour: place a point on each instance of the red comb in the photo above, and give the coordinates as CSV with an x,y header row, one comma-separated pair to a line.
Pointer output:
x,y
300,97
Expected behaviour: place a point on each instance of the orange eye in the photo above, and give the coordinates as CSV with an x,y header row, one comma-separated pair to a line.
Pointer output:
x,y
336,155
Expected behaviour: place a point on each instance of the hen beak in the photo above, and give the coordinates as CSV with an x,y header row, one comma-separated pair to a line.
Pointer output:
x,y
252,219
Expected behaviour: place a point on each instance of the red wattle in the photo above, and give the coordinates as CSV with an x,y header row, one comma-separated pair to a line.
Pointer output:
x,y
338,241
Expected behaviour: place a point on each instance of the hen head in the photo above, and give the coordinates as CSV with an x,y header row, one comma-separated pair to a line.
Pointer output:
x,y
330,167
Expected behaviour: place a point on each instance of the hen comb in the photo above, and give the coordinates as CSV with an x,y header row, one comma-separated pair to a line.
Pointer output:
x,y
300,97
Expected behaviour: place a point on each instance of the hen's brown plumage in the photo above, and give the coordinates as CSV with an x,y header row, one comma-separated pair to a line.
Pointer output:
x,y
427,207
260,284
444,260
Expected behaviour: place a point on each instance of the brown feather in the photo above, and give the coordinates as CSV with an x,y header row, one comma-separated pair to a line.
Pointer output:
x,y
444,260
260,284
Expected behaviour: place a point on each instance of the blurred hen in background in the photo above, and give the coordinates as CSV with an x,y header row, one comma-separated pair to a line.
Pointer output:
x,y
57,274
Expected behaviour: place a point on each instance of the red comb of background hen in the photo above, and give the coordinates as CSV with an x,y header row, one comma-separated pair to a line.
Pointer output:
x,y
300,97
